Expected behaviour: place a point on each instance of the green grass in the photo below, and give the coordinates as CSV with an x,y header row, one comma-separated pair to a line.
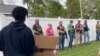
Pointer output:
x,y
82,50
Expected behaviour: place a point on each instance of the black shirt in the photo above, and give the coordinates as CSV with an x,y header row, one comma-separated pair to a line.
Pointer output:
x,y
86,28
61,28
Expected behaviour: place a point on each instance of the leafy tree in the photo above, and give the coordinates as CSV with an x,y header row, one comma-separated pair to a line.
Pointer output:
x,y
55,9
97,10
45,8
73,9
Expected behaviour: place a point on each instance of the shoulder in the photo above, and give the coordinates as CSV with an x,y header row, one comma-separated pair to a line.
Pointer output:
x,y
40,26
68,25
76,24
97,24
47,29
6,28
57,26
63,26
34,25
27,29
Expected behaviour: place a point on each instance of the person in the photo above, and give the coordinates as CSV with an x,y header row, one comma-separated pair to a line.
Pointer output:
x,y
49,30
16,39
71,33
97,31
61,31
37,29
86,33
79,32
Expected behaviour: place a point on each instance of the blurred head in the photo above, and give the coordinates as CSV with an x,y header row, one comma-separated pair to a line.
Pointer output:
x,y
85,21
60,23
71,21
50,25
97,22
37,21
19,13
79,21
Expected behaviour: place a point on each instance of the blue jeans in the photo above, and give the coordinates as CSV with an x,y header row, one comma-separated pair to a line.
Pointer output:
x,y
86,37
97,35
71,36
61,42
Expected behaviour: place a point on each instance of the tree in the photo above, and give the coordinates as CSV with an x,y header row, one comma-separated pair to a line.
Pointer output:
x,y
45,8
97,10
91,8
73,9
55,9
88,7
29,4
35,7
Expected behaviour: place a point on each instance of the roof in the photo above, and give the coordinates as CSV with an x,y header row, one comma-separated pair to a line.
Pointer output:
x,y
6,9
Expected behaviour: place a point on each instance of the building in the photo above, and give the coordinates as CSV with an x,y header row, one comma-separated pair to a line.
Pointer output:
x,y
6,9
1,2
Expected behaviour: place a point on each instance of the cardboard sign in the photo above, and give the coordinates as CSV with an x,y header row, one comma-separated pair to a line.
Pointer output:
x,y
46,42
47,45
45,53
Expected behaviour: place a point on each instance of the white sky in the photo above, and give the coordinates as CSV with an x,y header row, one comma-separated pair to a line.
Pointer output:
x,y
19,2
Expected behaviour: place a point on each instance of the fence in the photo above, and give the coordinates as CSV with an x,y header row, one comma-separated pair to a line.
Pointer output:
x,y
54,21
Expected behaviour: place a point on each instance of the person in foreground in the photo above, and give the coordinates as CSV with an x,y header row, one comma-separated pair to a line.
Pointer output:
x,y
16,39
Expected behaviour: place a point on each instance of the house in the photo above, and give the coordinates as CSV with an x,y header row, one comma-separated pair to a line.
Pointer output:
x,y
6,9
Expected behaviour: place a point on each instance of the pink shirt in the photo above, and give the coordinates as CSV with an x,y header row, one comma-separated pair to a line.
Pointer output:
x,y
49,32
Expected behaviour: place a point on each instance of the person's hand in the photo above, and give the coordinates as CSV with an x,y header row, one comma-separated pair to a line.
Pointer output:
x,y
60,31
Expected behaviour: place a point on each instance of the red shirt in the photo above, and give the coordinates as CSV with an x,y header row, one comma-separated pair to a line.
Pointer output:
x,y
49,32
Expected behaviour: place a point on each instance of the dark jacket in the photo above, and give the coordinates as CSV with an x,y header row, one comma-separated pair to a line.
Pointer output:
x,y
16,39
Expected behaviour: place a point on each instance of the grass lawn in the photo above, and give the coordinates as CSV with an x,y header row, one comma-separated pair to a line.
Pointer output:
x,y
82,50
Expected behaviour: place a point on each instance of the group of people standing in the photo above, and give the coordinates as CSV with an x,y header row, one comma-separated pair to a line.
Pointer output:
x,y
74,32
16,39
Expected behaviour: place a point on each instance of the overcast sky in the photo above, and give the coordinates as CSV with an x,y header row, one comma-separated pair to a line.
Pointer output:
x,y
19,2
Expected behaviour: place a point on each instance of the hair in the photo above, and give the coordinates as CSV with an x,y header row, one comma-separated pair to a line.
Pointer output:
x,y
79,21
85,22
49,24
71,21
97,21
19,13
36,21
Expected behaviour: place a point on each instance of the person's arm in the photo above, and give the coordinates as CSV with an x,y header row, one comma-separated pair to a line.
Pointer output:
x,y
50,32
82,27
59,30
41,31
47,32
34,30
1,41
29,43
97,26
76,27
